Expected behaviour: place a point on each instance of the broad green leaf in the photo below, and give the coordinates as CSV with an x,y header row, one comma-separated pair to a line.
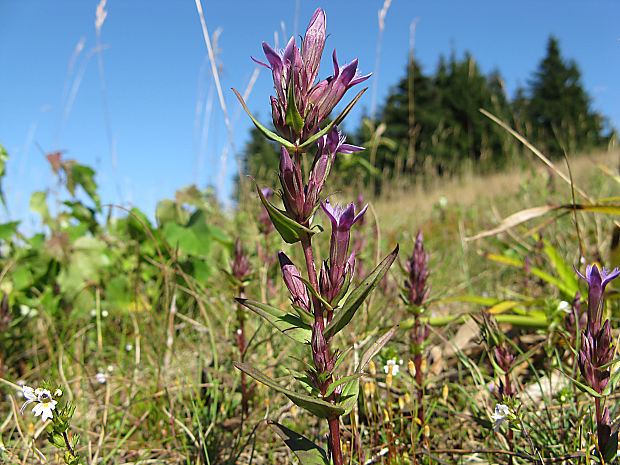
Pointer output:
x,y
304,449
83,176
38,204
288,228
474,299
266,132
358,295
560,284
501,307
7,230
565,271
289,323
318,407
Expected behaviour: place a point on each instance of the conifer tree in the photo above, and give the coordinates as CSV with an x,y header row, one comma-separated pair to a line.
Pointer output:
x,y
558,111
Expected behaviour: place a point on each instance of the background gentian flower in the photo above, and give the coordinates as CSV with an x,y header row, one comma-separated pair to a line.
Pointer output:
x,y
597,281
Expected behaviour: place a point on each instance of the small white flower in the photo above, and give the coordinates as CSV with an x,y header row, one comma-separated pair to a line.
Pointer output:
x,y
93,313
101,377
29,395
43,399
129,347
58,393
500,416
564,306
394,365
238,332
45,409
104,313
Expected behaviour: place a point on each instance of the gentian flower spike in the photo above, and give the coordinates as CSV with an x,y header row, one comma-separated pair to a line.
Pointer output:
x,y
240,264
597,281
417,268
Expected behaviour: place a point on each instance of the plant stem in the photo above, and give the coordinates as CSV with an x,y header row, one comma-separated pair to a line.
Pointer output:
x,y
240,337
334,438
319,325
68,444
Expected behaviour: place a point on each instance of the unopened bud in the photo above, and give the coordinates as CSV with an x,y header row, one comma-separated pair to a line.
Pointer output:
x,y
411,366
427,431
424,366
401,402
372,368
444,392
386,415
407,398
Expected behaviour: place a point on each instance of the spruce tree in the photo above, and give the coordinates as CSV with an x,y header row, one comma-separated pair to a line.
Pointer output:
x,y
558,112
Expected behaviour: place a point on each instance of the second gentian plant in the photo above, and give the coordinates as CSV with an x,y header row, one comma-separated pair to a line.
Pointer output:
x,y
323,297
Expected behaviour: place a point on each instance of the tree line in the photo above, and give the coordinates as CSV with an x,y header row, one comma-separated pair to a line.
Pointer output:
x,y
431,123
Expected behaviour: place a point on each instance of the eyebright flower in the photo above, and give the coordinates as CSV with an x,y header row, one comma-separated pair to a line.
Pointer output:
x,y
44,403
500,416
394,365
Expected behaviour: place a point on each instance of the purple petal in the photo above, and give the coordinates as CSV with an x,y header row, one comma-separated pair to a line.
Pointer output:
x,y
273,57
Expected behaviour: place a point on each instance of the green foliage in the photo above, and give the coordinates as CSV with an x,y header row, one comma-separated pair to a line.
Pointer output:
x,y
558,110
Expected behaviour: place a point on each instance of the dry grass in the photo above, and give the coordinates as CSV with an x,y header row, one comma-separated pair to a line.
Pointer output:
x,y
407,208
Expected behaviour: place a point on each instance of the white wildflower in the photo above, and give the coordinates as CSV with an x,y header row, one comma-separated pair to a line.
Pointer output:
x,y
101,377
564,306
394,365
501,414
44,403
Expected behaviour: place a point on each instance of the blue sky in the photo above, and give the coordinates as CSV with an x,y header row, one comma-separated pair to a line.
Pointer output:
x,y
155,141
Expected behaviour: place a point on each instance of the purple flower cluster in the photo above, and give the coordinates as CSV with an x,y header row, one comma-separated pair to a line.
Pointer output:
x,y
417,269
300,105
597,350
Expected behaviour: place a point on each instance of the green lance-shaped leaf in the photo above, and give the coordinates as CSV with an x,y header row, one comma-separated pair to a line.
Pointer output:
x,y
565,271
292,117
304,449
289,323
358,295
266,132
288,228
351,389
318,407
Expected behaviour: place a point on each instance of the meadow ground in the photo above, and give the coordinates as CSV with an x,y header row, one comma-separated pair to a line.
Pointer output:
x,y
144,345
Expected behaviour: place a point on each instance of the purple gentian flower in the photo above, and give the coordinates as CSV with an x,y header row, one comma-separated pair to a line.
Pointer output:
x,y
340,262
292,68
240,264
597,280
265,225
342,219
417,267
